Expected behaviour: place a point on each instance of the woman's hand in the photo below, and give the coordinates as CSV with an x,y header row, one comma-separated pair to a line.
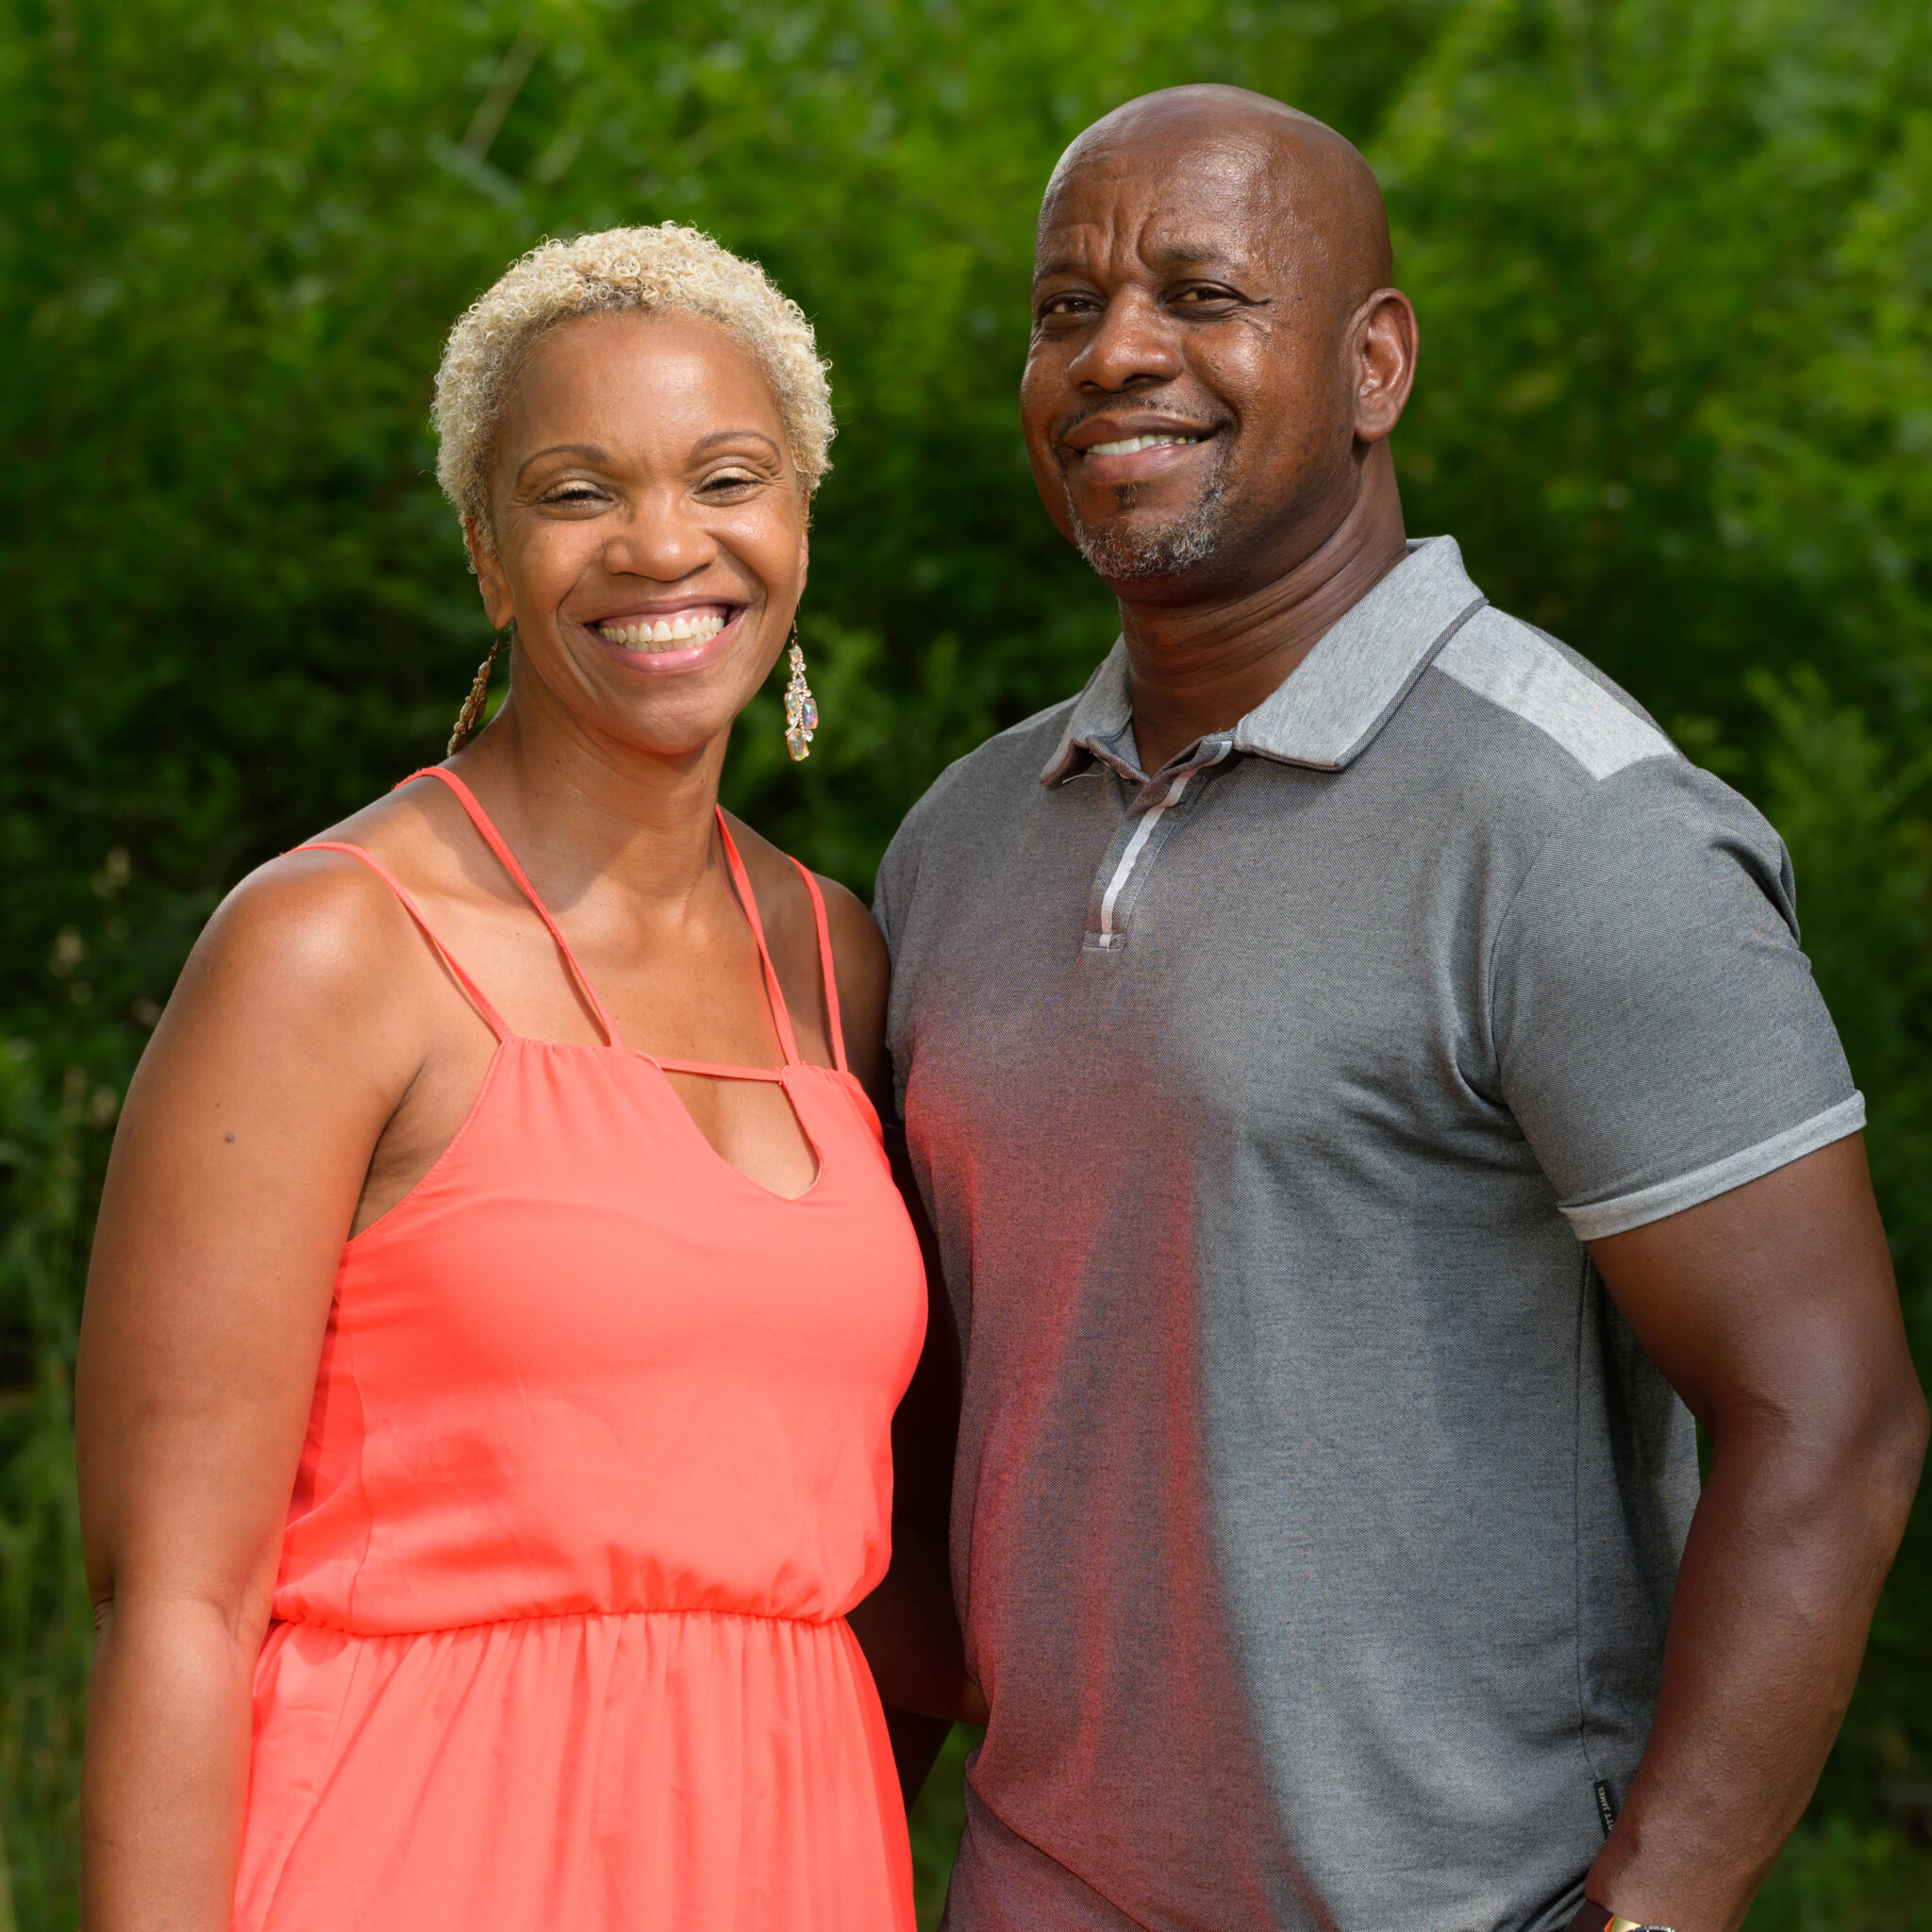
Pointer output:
x,y
236,1172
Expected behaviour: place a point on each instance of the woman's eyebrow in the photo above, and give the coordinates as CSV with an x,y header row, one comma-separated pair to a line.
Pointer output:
x,y
717,436
589,451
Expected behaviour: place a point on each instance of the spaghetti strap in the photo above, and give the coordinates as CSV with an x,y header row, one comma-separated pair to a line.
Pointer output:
x,y
494,840
496,1022
825,968
781,1018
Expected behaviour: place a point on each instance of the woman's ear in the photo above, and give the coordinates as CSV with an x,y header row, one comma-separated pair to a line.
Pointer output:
x,y
498,604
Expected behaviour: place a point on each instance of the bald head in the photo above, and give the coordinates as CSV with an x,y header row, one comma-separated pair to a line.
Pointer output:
x,y
1317,197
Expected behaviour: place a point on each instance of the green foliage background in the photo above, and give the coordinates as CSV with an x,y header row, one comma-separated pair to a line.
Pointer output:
x,y
1673,260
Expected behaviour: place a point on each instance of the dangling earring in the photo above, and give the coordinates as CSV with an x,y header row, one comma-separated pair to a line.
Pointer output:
x,y
469,719
801,708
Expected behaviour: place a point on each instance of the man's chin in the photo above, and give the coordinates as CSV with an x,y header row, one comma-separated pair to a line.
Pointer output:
x,y
1123,554
1139,545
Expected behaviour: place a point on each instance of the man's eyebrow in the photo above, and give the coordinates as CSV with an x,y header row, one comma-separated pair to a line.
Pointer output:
x,y
1191,255
1166,255
589,451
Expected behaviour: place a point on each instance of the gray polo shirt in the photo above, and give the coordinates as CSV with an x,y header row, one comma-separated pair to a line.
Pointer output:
x,y
1316,1515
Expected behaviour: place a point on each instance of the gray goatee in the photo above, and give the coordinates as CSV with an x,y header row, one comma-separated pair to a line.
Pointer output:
x,y
1121,556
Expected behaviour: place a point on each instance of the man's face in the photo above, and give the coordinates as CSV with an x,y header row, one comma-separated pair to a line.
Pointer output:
x,y
1187,397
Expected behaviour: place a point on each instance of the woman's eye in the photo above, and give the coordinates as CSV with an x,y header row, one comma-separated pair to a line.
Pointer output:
x,y
572,494
734,479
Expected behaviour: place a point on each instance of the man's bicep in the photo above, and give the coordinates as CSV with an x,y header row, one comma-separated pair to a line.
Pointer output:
x,y
1772,1297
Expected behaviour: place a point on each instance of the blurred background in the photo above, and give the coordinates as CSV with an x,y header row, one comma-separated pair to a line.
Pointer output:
x,y
1673,260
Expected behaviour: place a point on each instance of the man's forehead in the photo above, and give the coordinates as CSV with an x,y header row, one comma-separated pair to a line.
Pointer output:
x,y
1224,205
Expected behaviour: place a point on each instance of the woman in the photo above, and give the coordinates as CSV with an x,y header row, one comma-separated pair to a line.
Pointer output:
x,y
501,1298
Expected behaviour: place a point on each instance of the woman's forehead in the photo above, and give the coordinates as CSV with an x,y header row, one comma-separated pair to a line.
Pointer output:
x,y
663,375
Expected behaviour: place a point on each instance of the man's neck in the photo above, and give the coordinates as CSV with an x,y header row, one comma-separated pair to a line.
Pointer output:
x,y
1196,668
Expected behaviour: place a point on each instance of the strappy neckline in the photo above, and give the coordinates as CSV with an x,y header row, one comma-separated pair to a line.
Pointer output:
x,y
748,905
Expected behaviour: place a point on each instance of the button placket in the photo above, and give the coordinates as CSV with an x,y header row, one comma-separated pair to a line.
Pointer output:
x,y
1135,847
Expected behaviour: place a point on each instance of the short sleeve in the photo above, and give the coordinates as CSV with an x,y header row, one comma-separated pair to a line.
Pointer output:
x,y
1659,1037
882,893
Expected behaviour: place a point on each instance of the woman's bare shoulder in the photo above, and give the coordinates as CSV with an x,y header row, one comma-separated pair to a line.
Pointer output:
x,y
858,949
858,945
316,932
307,931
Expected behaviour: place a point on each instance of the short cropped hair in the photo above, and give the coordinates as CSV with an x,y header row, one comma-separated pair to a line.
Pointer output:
x,y
625,271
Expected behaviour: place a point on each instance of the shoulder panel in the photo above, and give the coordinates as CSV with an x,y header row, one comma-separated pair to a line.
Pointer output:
x,y
1518,669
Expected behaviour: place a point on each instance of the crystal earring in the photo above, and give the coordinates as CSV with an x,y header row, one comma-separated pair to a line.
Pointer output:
x,y
801,708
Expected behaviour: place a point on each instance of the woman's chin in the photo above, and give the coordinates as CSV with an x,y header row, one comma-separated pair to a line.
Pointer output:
x,y
684,728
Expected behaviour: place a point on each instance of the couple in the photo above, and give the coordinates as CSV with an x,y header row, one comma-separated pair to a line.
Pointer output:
x,y
1362,1081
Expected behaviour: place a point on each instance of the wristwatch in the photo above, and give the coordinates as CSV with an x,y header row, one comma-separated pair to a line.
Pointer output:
x,y
1593,1918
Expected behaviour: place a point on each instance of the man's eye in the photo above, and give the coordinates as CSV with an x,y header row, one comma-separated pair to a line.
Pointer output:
x,y
1067,304
1198,297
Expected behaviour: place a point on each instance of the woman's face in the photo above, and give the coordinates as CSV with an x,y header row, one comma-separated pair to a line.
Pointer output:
x,y
650,528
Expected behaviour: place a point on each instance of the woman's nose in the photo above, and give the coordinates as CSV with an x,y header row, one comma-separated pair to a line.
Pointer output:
x,y
659,539
1135,343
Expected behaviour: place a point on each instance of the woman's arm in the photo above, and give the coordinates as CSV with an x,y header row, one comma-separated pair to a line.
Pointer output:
x,y
907,1626
235,1174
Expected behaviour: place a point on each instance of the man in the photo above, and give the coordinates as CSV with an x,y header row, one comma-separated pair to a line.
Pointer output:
x,y
1366,1085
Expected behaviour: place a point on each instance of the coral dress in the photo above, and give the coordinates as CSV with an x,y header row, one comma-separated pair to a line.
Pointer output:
x,y
599,1460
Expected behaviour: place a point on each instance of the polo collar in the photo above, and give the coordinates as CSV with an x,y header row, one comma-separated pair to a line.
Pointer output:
x,y
1329,707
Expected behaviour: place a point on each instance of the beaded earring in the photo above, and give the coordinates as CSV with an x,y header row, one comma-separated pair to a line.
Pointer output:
x,y
801,708
469,719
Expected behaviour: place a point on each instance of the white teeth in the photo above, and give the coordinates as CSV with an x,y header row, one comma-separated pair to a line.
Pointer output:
x,y
644,633
1132,444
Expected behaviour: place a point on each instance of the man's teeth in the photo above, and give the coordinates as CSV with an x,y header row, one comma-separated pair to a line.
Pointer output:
x,y
1132,444
640,631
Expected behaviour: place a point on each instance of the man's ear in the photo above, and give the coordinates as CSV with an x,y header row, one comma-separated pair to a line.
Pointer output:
x,y
498,604
1386,343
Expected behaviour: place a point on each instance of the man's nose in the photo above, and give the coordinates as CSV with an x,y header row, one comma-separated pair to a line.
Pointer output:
x,y
1134,343
659,539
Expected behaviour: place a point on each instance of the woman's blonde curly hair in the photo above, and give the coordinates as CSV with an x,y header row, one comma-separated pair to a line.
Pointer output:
x,y
626,271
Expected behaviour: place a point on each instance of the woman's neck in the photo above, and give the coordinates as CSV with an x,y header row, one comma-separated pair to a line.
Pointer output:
x,y
579,809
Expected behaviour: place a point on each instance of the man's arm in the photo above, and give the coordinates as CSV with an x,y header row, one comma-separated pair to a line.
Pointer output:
x,y
1772,1312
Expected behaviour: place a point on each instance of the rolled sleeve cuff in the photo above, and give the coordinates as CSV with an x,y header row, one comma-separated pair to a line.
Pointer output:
x,y
1594,1220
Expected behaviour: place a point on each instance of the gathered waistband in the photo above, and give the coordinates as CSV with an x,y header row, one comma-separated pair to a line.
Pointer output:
x,y
307,1622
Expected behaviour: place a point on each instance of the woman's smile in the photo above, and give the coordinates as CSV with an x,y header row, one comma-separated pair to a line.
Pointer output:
x,y
660,640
